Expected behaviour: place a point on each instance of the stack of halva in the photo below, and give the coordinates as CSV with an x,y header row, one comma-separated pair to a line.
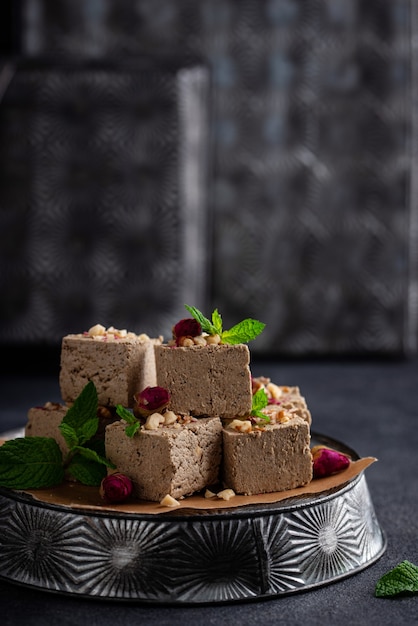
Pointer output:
x,y
206,437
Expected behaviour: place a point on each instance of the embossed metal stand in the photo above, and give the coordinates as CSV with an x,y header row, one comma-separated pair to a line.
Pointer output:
x,y
223,556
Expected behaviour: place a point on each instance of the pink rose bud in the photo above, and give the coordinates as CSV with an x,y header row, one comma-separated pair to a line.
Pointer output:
x,y
188,327
151,399
115,488
327,461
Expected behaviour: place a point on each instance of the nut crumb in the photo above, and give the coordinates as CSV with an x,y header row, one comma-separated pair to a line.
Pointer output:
x,y
226,494
209,494
169,501
242,426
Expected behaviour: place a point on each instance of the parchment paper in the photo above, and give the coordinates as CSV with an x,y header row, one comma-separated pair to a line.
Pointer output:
x,y
79,496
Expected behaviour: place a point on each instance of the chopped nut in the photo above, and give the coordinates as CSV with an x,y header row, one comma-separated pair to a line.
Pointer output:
x,y
145,337
96,330
283,416
278,414
153,421
169,418
209,494
186,342
274,391
52,406
226,494
104,412
199,340
213,339
169,501
242,426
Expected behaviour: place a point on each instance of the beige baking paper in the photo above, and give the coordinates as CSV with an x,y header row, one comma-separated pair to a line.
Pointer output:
x,y
79,496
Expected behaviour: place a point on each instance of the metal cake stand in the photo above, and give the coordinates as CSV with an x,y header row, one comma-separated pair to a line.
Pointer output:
x,y
219,556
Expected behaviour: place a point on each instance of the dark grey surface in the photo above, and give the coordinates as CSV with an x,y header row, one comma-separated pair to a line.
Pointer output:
x,y
369,405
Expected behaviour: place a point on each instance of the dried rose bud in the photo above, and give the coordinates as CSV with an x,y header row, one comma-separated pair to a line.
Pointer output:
x,y
327,461
188,327
150,400
115,488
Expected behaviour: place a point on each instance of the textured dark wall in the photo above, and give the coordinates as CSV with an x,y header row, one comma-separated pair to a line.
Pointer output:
x,y
310,219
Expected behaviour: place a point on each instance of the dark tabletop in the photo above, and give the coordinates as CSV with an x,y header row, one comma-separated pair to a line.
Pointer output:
x,y
371,406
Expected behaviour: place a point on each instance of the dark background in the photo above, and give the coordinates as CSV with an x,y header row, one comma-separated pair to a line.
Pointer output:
x,y
281,189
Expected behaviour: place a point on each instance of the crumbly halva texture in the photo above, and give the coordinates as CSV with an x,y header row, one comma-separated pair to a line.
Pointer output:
x,y
288,409
285,397
120,365
167,461
276,458
44,421
212,380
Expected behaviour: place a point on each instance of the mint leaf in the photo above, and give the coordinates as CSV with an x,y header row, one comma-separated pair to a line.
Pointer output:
x,y
134,425
92,455
126,415
217,322
259,401
80,422
207,326
132,429
30,463
35,462
243,332
69,434
86,471
401,579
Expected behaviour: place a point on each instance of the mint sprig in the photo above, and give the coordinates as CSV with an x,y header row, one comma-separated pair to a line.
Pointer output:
x,y
259,402
36,462
30,463
401,579
78,426
243,332
134,425
80,423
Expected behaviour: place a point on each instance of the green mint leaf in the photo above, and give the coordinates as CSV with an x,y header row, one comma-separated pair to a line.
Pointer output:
x,y
132,429
92,455
243,332
207,326
401,579
134,425
81,418
261,415
217,322
30,463
259,401
86,471
126,415
69,434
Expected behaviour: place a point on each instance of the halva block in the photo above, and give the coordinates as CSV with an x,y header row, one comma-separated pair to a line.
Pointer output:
x,y
275,457
119,363
44,421
211,380
167,460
